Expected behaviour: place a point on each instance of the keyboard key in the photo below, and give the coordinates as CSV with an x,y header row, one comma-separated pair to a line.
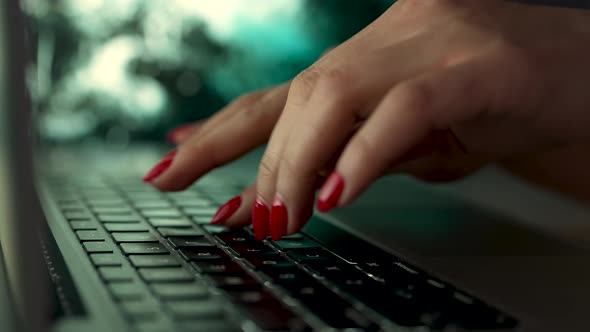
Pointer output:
x,y
154,260
96,247
140,309
169,222
90,236
125,291
169,274
196,241
239,281
179,232
201,211
126,227
217,267
208,325
331,268
78,225
118,218
181,291
235,237
214,229
289,244
204,254
110,210
76,215
307,255
269,261
161,213
106,260
325,304
152,204
143,248
251,249
289,277
135,237
203,309
115,274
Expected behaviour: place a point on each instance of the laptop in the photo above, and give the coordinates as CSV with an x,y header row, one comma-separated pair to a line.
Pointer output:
x,y
86,246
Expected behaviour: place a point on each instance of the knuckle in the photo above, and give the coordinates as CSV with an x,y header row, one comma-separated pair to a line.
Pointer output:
x,y
413,96
267,165
335,86
304,83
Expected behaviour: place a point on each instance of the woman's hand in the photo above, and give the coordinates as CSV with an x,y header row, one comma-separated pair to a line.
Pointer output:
x,y
433,88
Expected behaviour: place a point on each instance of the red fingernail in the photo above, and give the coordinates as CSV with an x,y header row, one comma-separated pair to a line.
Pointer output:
x,y
160,167
331,192
226,210
260,217
173,135
278,219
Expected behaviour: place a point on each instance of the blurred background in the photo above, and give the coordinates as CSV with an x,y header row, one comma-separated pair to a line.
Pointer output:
x,y
122,70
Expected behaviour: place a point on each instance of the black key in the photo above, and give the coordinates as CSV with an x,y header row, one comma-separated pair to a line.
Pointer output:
x,y
203,254
125,227
269,261
181,291
235,237
288,244
90,236
134,237
203,309
290,277
251,249
161,213
125,291
143,248
217,267
195,241
166,274
118,218
115,274
78,225
169,222
179,232
325,304
96,247
331,268
209,325
270,315
103,259
307,255
154,260
240,281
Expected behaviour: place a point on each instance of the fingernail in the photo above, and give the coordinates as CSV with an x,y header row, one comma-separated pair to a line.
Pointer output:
x,y
278,219
173,135
331,192
260,220
226,210
160,167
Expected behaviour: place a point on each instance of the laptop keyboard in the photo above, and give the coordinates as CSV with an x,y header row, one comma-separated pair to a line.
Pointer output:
x,y
166,269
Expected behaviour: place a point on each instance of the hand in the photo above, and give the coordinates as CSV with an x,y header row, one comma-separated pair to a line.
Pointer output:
x,y
493,78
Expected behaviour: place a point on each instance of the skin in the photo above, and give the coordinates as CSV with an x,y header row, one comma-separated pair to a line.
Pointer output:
x,y
432,88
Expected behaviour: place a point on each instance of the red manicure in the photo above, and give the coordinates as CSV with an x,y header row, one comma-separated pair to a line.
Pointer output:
x,y
160,167
260,215
278,219
331,192
172,136
227,210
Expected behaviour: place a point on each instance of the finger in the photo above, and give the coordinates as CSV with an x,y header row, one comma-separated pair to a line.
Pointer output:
x,y
181,133
405,116
237,212
339,100
223,139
